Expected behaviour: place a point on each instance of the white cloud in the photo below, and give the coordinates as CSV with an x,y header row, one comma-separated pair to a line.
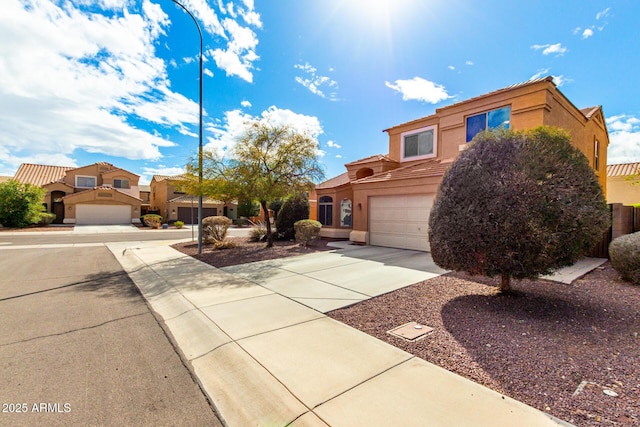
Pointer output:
x,y
207,72
451,67
469,63
338,156
227,131
588,32
543,72
559,80
419,89
316,83
603,13
246,104
624,139
333,144
69,78
549,49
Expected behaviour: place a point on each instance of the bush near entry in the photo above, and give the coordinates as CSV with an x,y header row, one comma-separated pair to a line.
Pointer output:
x,y
296,208
152,220
624,253
517,204
307,230
20,204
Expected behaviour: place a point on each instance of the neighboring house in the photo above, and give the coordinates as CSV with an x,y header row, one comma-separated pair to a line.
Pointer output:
x,y
174,205
100,193
619,188
4,178
145,197
385,200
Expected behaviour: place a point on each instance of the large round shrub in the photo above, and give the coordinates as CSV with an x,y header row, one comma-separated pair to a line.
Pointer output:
x,y
517,204
293,210
624,253
307,230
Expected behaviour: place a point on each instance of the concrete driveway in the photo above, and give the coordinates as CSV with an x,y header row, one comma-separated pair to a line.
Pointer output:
x,y
326,281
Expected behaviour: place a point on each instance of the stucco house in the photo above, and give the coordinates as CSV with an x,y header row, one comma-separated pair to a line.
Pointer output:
x,y
619,188
174,205
385,199
100,193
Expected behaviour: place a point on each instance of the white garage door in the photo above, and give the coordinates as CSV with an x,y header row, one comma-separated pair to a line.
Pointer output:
x,y
103,214
400,221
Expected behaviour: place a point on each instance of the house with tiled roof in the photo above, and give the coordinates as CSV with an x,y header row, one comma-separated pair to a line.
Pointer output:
x,y
175,205
385,199
100,193
620,187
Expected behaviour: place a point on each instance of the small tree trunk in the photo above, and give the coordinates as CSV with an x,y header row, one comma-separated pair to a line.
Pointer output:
x,y
505,283
267,220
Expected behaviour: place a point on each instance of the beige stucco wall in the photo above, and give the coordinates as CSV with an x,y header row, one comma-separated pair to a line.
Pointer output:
x,y
99,197
621,191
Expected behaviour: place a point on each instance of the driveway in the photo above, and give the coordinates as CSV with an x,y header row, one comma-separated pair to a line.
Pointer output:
x,y
327,281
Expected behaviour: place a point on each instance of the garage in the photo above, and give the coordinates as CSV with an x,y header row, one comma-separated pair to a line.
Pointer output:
x,y
184,214
400,221
103,214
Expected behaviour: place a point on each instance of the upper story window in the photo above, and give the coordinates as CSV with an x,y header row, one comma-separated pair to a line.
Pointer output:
x,y
85,181
494,119
121,183
596,156
419,144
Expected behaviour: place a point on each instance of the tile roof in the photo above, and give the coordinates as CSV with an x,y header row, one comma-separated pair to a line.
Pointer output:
x,y
428,168
159,178
623,169
40,175
144,188
588,112
334,182
187,199
374,158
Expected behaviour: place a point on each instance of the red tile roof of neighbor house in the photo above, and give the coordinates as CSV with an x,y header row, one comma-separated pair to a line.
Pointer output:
x,y
188,199
428,168
159,178
40,174
337,181
623,169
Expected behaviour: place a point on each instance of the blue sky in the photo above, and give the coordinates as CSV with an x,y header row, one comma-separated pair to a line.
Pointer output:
x,y
117,80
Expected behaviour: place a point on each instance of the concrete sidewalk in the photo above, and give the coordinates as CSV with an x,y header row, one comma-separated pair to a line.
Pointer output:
x,y
264,356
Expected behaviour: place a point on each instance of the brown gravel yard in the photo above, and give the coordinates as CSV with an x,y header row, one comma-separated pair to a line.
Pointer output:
x,y
246,251
552,346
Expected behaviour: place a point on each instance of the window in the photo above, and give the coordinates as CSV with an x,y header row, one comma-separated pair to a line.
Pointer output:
x,y
345,213
85,181
325,210
419,144
493,119
121,183
596,157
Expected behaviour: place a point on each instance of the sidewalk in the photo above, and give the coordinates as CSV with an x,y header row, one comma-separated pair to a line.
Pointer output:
x,y
264,357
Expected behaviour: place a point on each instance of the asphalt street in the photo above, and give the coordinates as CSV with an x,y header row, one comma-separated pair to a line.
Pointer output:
x,y
79,346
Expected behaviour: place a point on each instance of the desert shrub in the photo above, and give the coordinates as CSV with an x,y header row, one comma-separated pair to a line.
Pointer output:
x,y
307,230
624,253
296,208
46,218
152,220
258,232
178,224
20,204
225,244
214,228
241,222
517,204
248,208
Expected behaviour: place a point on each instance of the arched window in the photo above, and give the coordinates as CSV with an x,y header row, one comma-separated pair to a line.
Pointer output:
x,y
345,213
325,210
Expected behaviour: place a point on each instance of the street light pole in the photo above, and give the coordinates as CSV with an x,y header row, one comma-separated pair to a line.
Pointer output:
x,y
199,133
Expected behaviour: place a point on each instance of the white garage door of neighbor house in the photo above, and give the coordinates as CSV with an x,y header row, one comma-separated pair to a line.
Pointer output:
x,y
103,214
400,221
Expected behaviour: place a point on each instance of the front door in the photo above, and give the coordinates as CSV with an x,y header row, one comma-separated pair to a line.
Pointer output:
x,y
57,206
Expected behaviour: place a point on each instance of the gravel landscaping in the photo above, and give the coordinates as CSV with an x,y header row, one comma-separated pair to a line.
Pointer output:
x,y
562,349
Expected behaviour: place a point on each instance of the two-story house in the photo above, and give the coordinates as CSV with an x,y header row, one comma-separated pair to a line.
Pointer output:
x,y
385,200
175,205
100,193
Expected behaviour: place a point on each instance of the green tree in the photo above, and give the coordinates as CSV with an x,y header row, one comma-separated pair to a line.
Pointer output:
x,y
267,163
294,209
517,204
248,208
20,204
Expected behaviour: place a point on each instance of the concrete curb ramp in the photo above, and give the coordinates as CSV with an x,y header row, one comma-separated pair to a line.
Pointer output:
x,y
265,359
